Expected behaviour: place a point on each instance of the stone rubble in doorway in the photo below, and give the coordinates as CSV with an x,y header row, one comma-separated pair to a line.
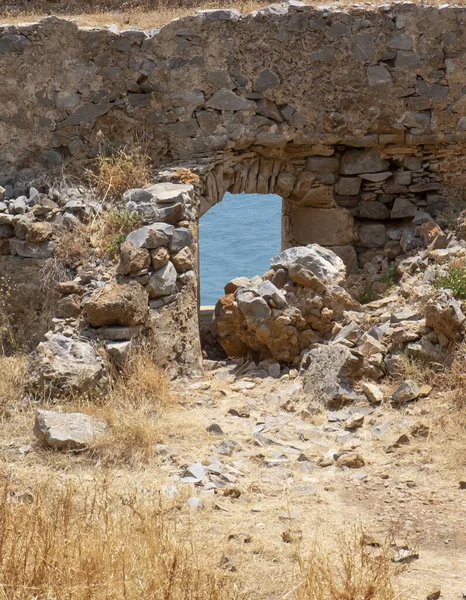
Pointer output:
x,y
308,319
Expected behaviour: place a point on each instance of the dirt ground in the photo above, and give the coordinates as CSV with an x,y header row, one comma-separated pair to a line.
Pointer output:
x,y
268,498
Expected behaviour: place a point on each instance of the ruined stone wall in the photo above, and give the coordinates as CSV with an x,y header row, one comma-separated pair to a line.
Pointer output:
x,y
353,116
356,117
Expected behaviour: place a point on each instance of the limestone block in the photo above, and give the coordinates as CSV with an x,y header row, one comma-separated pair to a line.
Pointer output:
x,y
151,236
181,237
26,250
62,365
132,259
348,186
162,282
117,305
159,256
323,164
327,227
67,431
228,100
372,235
368,160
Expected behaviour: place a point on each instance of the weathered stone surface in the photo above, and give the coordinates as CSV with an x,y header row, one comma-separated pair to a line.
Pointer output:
x,y
228,100
348,186
445,317
151,236
373,210
132,259
67,431
406,392
354,162
372,235
181,237
327,227
322,262
403,208
162,282
329,373
117,305
183,260
63,366
159,256
27,250
38,233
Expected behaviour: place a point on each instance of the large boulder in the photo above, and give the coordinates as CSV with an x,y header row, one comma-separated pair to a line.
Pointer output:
x,y
117,305
67,431
61,365
321,262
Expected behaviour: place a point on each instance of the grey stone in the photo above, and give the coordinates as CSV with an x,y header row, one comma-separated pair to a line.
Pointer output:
x,y
323,164
26,250
372,235
433,90
223,14
406,314
228,100
181,237
348,186
328,371
67,431
266,79
151,236
13,43
338,30
118,351
363,47
162,282
373,210
273,296
119,333
406,59
62,366
322,262
18,206
406,392
86,114
220,79
254,308
356,161
403,208
378,75
409,240
401,41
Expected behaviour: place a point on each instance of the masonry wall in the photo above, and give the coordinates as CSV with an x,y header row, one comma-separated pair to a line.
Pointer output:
x,y
275,101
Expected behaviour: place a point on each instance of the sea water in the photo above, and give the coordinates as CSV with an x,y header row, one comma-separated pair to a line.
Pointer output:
x,y
237,238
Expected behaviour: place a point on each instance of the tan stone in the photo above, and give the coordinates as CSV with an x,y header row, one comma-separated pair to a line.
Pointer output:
x,y
117,305
39,232
183,260
328,227
160,257
132,259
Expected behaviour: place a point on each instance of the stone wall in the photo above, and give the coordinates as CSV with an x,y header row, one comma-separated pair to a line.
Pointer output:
x,y
318,105
356,117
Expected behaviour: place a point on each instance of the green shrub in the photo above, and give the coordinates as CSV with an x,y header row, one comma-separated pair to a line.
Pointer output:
x,y
454,280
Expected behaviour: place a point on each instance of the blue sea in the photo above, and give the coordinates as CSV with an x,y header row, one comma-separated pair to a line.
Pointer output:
x,y
238,237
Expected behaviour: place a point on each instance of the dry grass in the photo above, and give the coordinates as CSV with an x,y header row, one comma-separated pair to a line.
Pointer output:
x,y
145,14
12,369
73,544
126,168
351,570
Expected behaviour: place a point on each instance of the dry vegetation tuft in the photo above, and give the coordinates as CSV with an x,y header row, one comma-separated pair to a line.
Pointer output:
x,y
352,570
12,370
73,544
126,168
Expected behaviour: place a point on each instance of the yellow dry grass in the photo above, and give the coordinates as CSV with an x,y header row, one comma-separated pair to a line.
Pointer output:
x,y
350,570
95,544
114,174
